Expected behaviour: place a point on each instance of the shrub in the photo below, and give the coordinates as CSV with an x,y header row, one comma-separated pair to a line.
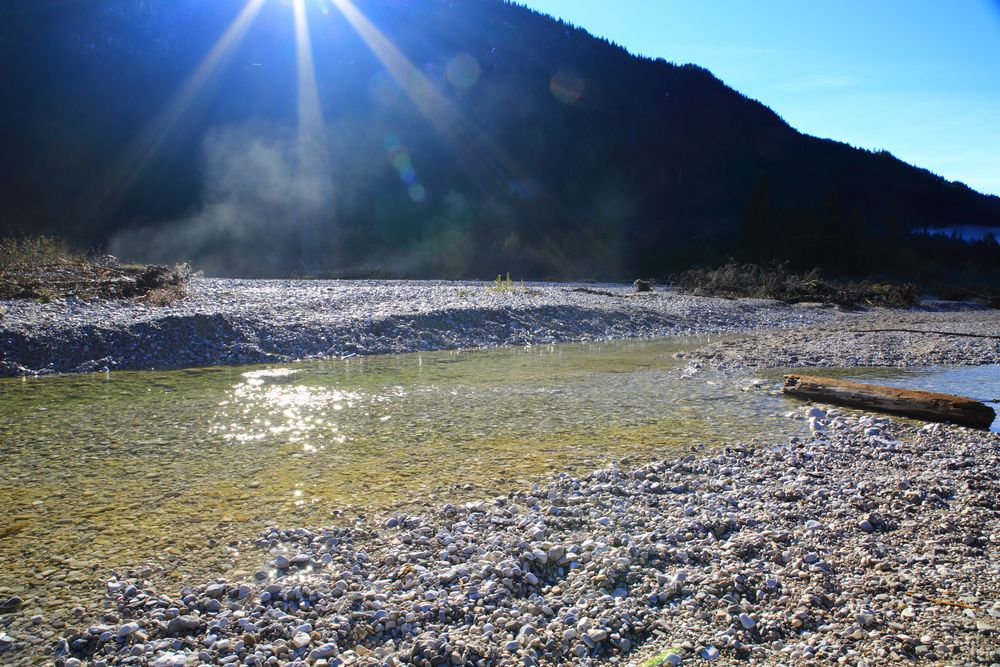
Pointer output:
x,y
22,252
750,280
502,285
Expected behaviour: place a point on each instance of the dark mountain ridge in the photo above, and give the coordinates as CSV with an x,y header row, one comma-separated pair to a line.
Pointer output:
x,y
516,143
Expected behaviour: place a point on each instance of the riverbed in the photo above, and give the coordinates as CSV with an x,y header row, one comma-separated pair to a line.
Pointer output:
x,y
175,470
165,479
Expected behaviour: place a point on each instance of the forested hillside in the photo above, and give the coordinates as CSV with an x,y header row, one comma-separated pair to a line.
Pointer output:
x,y
445,138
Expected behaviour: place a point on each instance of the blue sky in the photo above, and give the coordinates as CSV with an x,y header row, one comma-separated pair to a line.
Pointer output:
x,y
919,78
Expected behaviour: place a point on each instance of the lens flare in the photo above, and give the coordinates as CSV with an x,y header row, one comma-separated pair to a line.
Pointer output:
x,y
484,159
463,71
567,86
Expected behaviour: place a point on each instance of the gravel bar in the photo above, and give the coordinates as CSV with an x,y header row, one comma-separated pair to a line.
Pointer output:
x,y
872,541
869,543
254,321
874,338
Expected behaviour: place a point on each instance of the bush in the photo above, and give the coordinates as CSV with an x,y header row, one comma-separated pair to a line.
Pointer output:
x,y
502,285
750,280
22,252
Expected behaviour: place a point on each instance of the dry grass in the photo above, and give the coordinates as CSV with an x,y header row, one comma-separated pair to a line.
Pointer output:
x,y
46,268
749,280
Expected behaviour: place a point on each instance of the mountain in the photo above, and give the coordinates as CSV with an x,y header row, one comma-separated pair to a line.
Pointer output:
x,y
447,138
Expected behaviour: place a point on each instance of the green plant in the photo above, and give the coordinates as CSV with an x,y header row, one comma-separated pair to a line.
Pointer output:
x,y
502,285
18,252
660,658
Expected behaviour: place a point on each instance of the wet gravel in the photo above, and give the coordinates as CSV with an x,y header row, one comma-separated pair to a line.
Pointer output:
x,y
251,321
869,543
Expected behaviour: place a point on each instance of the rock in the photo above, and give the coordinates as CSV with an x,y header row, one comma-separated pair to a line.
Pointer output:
x,y
301,640
641,285
747,621
182,624
710,654
128,629
812,524
10,604
215,590
597,635
281,562
815,413
328,650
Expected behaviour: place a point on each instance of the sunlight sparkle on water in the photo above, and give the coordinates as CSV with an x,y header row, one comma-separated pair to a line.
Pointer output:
x,y
298,412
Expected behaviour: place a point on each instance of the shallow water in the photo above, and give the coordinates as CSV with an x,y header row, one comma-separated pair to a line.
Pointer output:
x,y
981,383
108,471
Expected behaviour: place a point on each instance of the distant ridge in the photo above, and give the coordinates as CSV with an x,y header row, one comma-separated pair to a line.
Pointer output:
x,y
532,147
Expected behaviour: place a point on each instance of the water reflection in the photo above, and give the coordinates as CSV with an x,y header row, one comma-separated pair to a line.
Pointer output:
x,y
981,383
268,405
147,467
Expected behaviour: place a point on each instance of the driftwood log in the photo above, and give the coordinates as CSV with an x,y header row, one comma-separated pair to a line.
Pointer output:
x,y
925,405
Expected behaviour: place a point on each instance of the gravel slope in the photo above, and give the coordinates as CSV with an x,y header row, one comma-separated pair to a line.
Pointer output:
x,y
249,321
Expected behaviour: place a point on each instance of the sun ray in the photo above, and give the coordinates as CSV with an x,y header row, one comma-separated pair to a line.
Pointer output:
x,y
311,133
476,149
116,184
491,166
413,82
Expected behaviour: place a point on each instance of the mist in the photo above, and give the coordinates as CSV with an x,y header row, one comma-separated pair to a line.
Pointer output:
x,y
266,208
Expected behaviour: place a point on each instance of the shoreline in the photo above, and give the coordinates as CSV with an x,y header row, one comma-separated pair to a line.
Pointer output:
x,y
950,467
232,322
870,541
228,322
887,338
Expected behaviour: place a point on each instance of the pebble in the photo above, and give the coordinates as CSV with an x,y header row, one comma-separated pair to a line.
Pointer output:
x,y
264,321
128,629
772,565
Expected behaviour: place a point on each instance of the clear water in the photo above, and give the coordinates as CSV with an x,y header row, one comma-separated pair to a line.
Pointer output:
x,y
108,471
173,469
981,383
